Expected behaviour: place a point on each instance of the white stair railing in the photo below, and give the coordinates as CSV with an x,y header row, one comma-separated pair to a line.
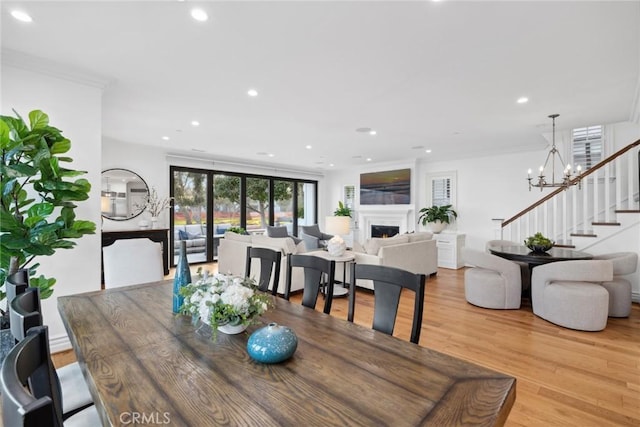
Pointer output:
x,y
611,185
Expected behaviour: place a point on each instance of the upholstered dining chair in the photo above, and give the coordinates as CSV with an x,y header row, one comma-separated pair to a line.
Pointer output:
x,y
619,288
388,283
318,273
269,263
132,261
313,238
26,314
525,271
569,294
492,282
30,387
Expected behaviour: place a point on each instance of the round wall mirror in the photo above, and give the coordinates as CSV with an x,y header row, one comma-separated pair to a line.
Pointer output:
x,y
123,194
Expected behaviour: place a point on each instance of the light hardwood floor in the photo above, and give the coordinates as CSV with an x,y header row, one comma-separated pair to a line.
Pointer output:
x,y
564,377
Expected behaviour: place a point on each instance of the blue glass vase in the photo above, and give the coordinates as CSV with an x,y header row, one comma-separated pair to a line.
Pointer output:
x,y
272,344
181,278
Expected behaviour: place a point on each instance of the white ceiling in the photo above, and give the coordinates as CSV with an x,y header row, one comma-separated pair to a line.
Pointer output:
x,y
438,75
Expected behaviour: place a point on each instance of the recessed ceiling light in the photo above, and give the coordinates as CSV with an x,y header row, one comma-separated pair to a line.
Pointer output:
x,y
252,92
195,123
166,138
373,132
522,100
199,15
368,159
271,155
331,164
308,147
427,151
21,16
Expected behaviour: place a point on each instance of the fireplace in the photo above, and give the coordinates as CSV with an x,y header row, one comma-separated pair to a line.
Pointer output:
x,y
384,230
392,216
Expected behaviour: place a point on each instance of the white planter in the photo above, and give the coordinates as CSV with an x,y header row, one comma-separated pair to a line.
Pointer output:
x,y
437,226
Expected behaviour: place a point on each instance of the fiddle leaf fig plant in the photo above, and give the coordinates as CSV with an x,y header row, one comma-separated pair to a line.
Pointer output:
x,y
37,195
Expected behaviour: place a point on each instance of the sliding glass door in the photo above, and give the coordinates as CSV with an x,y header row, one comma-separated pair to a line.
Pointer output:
x,y
189,219
283,204
207,203
226,206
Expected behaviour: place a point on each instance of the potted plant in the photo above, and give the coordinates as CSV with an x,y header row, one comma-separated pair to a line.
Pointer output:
x,y
37,195
342,210
437,216
237,230
227,304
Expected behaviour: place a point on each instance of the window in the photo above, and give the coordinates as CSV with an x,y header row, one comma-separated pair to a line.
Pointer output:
x,y
208,202
587,146
441,189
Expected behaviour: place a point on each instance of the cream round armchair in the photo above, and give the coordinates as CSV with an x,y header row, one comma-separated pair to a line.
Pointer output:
x,y
569,294
619,288
493,282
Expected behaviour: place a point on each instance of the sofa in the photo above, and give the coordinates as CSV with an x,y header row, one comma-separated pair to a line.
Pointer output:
x,y
193,234
414,252
232,255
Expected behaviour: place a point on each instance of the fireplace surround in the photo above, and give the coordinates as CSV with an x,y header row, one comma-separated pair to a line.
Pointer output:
x,y
394,216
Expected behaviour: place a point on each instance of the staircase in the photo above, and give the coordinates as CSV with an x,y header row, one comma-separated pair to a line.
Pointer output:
x,y
598,210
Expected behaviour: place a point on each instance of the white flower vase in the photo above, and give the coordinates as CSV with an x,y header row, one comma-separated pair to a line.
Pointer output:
x,y
232,329
336,246
154,222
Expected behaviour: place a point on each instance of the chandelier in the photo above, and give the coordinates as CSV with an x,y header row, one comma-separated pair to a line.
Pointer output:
x,y
568,178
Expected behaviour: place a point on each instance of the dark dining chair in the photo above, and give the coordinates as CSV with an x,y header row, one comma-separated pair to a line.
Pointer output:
x,y
269,262
25,314
31,390
318,273
388,283
16,283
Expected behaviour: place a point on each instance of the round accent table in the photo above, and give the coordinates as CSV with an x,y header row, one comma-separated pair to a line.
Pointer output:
x,y
346,258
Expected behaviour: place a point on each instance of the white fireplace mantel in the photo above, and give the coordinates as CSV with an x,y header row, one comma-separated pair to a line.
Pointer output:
x,y
395,215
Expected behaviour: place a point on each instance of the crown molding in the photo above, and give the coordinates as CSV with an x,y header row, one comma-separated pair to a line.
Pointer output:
x,y
24,61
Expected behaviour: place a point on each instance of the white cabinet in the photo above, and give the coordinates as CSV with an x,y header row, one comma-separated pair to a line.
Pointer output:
x,y
449,250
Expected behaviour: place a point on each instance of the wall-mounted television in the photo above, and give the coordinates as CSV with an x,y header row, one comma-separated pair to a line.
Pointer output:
x,y
386,188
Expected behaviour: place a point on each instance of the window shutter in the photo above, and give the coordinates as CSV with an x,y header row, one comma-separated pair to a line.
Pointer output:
x,y
441,191
587,146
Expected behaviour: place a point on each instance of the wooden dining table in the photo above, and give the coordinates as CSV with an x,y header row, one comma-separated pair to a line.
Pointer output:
x,y
147,366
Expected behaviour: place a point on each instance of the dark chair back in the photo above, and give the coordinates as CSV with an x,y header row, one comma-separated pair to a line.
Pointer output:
x,y
30,386
269,262
16,283
318,273
25,313
388,283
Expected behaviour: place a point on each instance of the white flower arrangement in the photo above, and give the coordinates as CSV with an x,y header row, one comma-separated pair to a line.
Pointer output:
x,y
154,204
220,300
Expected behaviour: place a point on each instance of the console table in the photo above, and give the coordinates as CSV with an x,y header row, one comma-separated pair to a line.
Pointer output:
x,y
159,235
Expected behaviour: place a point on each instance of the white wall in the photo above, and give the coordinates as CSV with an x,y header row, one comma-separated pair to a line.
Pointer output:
x,y
148,162
76,110
154,169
